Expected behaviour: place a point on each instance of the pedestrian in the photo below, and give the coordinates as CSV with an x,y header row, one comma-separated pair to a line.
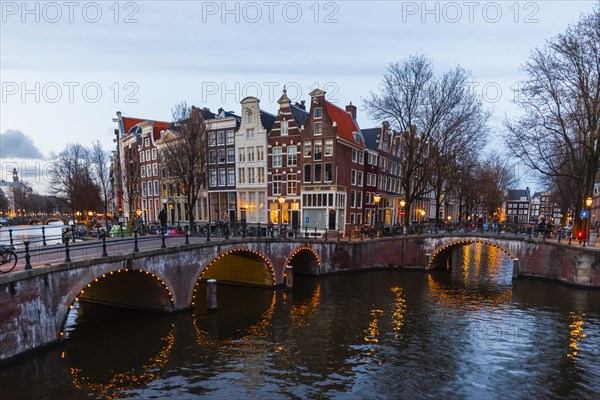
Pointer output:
x,y
542,227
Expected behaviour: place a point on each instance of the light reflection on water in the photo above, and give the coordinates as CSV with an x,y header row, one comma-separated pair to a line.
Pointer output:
x,y
466,332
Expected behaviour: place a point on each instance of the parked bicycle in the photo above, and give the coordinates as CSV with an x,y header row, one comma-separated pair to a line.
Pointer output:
x,y
8,258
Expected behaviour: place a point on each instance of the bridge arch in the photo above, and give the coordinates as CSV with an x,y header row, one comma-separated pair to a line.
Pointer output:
x,y
238,266
304,260
445,249
150,284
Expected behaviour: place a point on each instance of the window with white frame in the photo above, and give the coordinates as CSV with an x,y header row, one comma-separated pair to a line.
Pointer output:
x,y
328,148
360,178
318,128
212,157
154,154
277,157
250,154
230,176
141,156
144,189
143,172
230,137
354,155
156,188
318,112
276,184
292,156
155,169
318,150
241,175
242,154
231,155
260,153
328,172
261,174
221,156
147,142
212,175
220,138
284,128
307,149
147,155
212,139
222,177
292,185
249,133
353,177
148,170
251,175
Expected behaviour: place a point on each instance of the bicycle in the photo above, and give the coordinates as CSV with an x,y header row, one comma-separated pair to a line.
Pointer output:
x,y
7,256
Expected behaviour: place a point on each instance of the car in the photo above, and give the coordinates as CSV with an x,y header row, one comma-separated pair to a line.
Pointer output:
x,y
80,230
171,231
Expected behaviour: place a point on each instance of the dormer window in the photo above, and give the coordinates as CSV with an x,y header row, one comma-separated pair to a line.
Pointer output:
x,y
318,112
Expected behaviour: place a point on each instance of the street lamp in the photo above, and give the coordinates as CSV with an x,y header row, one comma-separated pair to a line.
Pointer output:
x,y
281,200
588,203
377,199
422,215
402,204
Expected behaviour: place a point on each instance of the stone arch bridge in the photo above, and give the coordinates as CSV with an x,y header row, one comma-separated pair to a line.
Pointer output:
x,y
34,303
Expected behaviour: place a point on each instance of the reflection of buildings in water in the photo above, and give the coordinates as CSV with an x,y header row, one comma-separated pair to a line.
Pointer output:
x,y
256,330
398,312
300,313
576,334
463,300
128,380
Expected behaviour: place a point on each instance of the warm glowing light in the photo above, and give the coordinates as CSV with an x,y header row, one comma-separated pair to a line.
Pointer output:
x,y
377,198
589,201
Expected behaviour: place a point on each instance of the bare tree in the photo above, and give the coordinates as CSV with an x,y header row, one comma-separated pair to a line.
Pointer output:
x,y
101,174
184,154
71,180
433,114
131,181
558,135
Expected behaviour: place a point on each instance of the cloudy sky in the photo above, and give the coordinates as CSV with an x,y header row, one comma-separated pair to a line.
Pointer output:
x,y
66,68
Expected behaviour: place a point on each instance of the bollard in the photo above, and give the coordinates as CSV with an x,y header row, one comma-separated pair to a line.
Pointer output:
x,y
315,232
163,245
187,235
135,241
104,253
289,277
27,257
67,255
11,237
305,232
211,294
44,236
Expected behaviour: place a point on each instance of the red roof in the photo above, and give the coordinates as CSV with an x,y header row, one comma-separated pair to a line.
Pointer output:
x,y
160,126
129,123
345,123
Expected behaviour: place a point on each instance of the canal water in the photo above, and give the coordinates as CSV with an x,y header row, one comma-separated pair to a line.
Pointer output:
x,y
468,331
32,233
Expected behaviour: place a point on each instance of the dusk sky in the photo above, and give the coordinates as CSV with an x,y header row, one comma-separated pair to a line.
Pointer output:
x,y
66,68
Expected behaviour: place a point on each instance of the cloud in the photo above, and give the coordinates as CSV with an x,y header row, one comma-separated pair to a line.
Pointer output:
x,y
14,143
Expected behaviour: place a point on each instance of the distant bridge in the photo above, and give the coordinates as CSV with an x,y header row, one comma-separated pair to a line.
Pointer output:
x,y
34,303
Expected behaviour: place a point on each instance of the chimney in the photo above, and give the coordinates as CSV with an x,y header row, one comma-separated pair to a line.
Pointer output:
x,y
352,110
220,110
301,105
